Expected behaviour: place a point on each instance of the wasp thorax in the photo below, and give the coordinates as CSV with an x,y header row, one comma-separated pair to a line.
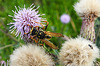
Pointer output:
x,y
33,31
41,35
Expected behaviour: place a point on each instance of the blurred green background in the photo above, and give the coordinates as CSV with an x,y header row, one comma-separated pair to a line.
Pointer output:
x,y
52,9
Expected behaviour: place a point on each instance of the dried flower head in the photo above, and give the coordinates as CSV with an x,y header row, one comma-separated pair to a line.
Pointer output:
x,y
78,52
88,8
30,55
65,18
24,18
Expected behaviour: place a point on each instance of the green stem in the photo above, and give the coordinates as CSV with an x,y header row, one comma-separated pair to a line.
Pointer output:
x,y
62,29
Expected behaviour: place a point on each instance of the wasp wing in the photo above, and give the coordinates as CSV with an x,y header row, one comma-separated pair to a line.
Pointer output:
x,y
53,34
49,43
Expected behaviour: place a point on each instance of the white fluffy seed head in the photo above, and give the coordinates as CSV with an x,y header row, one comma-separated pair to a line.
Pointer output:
x,y
78,52
88,6
30,55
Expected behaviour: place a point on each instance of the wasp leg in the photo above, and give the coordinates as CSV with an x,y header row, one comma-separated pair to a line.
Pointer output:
x,y
40,24
37,27
46,25
41,44
30,25
36,41
32,37
26,33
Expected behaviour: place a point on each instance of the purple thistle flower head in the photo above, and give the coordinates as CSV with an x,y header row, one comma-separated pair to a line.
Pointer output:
x,y
3,63
65,18
23,17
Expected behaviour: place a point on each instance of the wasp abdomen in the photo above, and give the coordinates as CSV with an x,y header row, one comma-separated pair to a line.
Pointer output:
x,y
47,36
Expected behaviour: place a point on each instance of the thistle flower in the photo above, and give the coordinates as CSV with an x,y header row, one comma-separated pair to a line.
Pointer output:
x,y
3,63
30,55
89,10
25,17
65,18
78,52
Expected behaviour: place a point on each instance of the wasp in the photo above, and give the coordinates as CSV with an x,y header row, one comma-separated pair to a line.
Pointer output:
x,y
44,36
38,34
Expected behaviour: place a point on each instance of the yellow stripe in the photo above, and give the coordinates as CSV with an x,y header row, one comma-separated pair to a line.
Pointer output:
x,y
31,30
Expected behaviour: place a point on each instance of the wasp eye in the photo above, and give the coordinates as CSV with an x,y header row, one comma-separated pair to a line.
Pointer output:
x,y
90,46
